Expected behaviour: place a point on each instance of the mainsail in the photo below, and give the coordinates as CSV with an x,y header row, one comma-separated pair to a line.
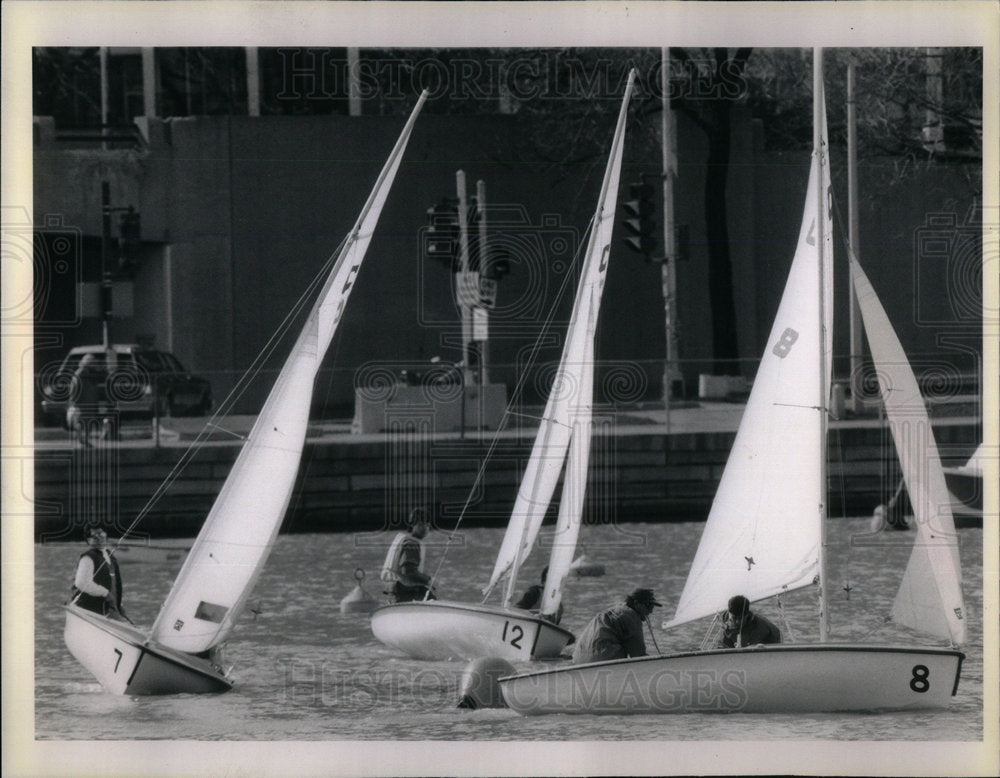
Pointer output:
x,y
568,410
930,597
763,533
229,553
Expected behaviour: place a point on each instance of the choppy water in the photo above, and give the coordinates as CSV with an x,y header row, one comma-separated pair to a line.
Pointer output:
x,y
306,672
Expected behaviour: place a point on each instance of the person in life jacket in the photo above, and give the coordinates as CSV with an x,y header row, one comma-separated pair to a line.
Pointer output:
x,y
97,586
404,562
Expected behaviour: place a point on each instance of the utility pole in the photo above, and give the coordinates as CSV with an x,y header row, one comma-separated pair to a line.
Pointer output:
x,y
856,324
933,133
483,255
105,266
671,371
463,278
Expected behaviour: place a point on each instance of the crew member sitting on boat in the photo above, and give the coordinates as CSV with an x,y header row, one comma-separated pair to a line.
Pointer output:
x,y
531,600
617,632
745,628
404,562
98,583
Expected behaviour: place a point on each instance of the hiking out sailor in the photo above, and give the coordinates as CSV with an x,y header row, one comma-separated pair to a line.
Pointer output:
x,y
404,562
743,627
97,586
617,632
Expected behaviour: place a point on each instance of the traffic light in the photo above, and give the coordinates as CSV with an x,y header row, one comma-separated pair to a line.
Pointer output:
x,y
441,238
130,240
640,223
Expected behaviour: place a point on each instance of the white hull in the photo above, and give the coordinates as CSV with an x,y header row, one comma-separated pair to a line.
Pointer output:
x,y
771,679
123,659
439,629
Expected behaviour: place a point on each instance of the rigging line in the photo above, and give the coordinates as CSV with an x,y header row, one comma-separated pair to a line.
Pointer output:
x,y
542,418
242,385
799,405
790,633
515,396
653,637
220,428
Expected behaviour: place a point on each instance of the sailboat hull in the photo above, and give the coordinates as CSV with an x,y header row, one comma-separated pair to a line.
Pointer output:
x,y
124,661
768,679
440,629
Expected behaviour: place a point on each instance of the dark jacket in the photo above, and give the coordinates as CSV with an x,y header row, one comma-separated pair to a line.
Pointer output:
x,y
409,563
108,577
756,630
613,634
531,598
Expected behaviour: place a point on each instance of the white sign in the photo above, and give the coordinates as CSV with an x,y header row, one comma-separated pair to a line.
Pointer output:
x,y
467,288
488,292
480,324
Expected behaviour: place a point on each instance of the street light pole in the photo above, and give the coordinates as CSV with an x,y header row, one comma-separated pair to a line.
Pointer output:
x,y
483,255
105,269
463,248
671,373
856,323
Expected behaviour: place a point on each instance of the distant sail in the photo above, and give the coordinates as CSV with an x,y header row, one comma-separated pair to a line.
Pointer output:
x,y
228,555
763,533
930,597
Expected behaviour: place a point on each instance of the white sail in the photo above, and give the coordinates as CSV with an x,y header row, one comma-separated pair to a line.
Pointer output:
x,y
574,483
573,384
763,533
930,597
229,553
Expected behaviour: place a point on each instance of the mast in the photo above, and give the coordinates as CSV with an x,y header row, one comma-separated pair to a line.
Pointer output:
x,y
819,119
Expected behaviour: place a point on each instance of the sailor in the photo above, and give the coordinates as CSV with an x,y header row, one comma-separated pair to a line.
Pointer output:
x,y
617,632
533,594
98,583
531,600
404,563
745,628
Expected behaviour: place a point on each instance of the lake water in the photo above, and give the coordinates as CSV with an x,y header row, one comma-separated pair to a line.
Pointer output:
x,y
306,672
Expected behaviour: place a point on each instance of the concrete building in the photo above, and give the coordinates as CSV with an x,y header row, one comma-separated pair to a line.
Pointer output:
x,y
239,213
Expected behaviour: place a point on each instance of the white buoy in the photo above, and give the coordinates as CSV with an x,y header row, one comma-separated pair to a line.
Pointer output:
x,y
358,601
480,687
584,567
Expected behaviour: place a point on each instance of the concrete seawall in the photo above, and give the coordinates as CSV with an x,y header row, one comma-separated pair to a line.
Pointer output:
x,y
638,472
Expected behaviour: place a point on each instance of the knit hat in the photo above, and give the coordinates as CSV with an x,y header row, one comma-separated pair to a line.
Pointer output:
x,y
645,597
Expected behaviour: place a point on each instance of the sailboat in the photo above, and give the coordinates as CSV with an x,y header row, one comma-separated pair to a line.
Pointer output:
x,y
180,653
442,629
765,532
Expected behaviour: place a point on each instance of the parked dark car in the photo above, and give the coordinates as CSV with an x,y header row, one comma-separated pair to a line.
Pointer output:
x,y
132,378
